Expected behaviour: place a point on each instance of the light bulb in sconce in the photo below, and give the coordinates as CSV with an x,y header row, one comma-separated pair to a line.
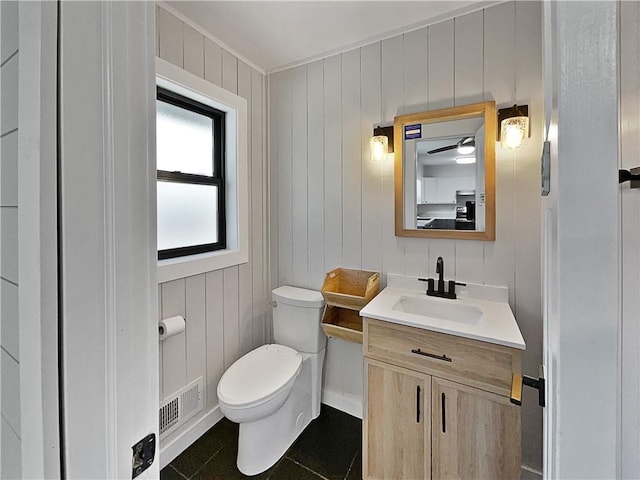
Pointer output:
x,y
513,130
379,148
514,125
381,143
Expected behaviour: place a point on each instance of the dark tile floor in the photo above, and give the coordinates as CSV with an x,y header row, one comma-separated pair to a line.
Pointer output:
x,y
330,448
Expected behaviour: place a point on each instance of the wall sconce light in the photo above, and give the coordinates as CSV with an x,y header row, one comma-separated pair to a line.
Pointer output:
x,y
514,125
381,143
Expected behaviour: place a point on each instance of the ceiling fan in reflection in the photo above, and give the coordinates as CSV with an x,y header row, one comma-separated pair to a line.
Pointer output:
x,y
465,146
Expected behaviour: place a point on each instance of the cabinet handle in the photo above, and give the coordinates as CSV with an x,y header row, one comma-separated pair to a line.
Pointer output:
x,y
444,358
444,415
418,404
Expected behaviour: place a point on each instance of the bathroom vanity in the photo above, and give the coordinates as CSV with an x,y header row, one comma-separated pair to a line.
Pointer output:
x,y
439,376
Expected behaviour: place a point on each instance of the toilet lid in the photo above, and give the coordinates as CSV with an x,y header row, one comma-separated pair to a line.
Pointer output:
x,y
259,375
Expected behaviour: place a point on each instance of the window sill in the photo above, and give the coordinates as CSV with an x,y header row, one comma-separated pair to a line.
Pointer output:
x,y
181,267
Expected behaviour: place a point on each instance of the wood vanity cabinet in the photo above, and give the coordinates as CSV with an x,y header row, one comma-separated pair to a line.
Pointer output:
x,y
446,414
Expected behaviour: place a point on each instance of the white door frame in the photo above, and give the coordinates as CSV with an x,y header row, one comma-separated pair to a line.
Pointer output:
x,y
108,238
37,232
581,242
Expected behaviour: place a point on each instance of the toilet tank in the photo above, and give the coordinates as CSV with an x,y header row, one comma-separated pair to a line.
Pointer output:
x,y
297,313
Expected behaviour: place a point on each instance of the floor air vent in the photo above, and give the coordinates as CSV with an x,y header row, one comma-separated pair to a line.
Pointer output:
x,y
180,407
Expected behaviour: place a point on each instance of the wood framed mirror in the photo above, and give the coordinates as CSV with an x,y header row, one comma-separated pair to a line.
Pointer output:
x,y
445,173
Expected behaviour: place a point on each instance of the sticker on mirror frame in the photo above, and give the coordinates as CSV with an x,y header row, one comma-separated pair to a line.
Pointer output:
x,y
413,131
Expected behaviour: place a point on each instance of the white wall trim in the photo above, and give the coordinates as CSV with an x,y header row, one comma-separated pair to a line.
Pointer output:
x,y
176,79
210,36
344,404
185,439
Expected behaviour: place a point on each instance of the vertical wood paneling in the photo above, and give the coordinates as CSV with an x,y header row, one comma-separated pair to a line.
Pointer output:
x,y
195,318
215,334
416,250
499,83
193,51
245,275
275,87
468,88
315,174
415,71
440,60
333,162
174,355
299,172
351,161
258,209
170,38
441,65
212,62
229,72
9,170
9,335
468,62
9,30
284,180
392,105
371,114
231,317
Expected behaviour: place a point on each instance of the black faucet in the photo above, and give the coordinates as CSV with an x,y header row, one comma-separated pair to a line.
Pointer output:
x,y
440,291
440,272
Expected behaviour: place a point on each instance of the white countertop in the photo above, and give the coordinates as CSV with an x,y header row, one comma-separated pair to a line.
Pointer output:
x,y
496,324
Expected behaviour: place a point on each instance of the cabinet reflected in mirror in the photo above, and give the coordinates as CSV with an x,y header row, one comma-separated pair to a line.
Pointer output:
x,y
444,173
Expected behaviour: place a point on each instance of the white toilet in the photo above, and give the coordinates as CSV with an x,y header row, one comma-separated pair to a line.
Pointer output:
x,y
273,392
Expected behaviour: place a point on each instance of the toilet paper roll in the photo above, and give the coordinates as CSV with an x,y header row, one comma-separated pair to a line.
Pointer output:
x,y
171,326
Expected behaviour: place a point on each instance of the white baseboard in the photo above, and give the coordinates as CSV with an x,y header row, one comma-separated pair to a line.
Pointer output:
x,y
344,404
185,439
529,473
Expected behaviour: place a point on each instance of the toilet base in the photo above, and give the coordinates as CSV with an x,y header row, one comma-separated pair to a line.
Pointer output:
x,y
263,442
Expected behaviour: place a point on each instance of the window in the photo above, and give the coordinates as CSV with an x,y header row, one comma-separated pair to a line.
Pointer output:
x,y
202,175
191,180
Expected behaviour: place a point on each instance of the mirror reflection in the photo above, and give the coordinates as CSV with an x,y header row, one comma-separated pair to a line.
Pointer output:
x,y
443,171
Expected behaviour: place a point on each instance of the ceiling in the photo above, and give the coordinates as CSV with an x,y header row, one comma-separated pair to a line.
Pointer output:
x,y
272,35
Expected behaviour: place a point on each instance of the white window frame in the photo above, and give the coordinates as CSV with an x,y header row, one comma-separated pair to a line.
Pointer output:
x,y
176,79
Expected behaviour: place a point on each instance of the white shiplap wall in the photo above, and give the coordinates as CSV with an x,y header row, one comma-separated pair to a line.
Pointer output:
x,y
331,206
226,311
10,455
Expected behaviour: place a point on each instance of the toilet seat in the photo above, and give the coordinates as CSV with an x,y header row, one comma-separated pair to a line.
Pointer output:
x,y
259,376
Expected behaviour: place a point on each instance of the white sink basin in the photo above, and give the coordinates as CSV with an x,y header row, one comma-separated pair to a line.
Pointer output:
x,y
480,312
437,309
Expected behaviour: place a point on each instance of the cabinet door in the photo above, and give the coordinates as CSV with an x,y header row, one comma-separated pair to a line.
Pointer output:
x,y
396,434
476,434
447,189
429,190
